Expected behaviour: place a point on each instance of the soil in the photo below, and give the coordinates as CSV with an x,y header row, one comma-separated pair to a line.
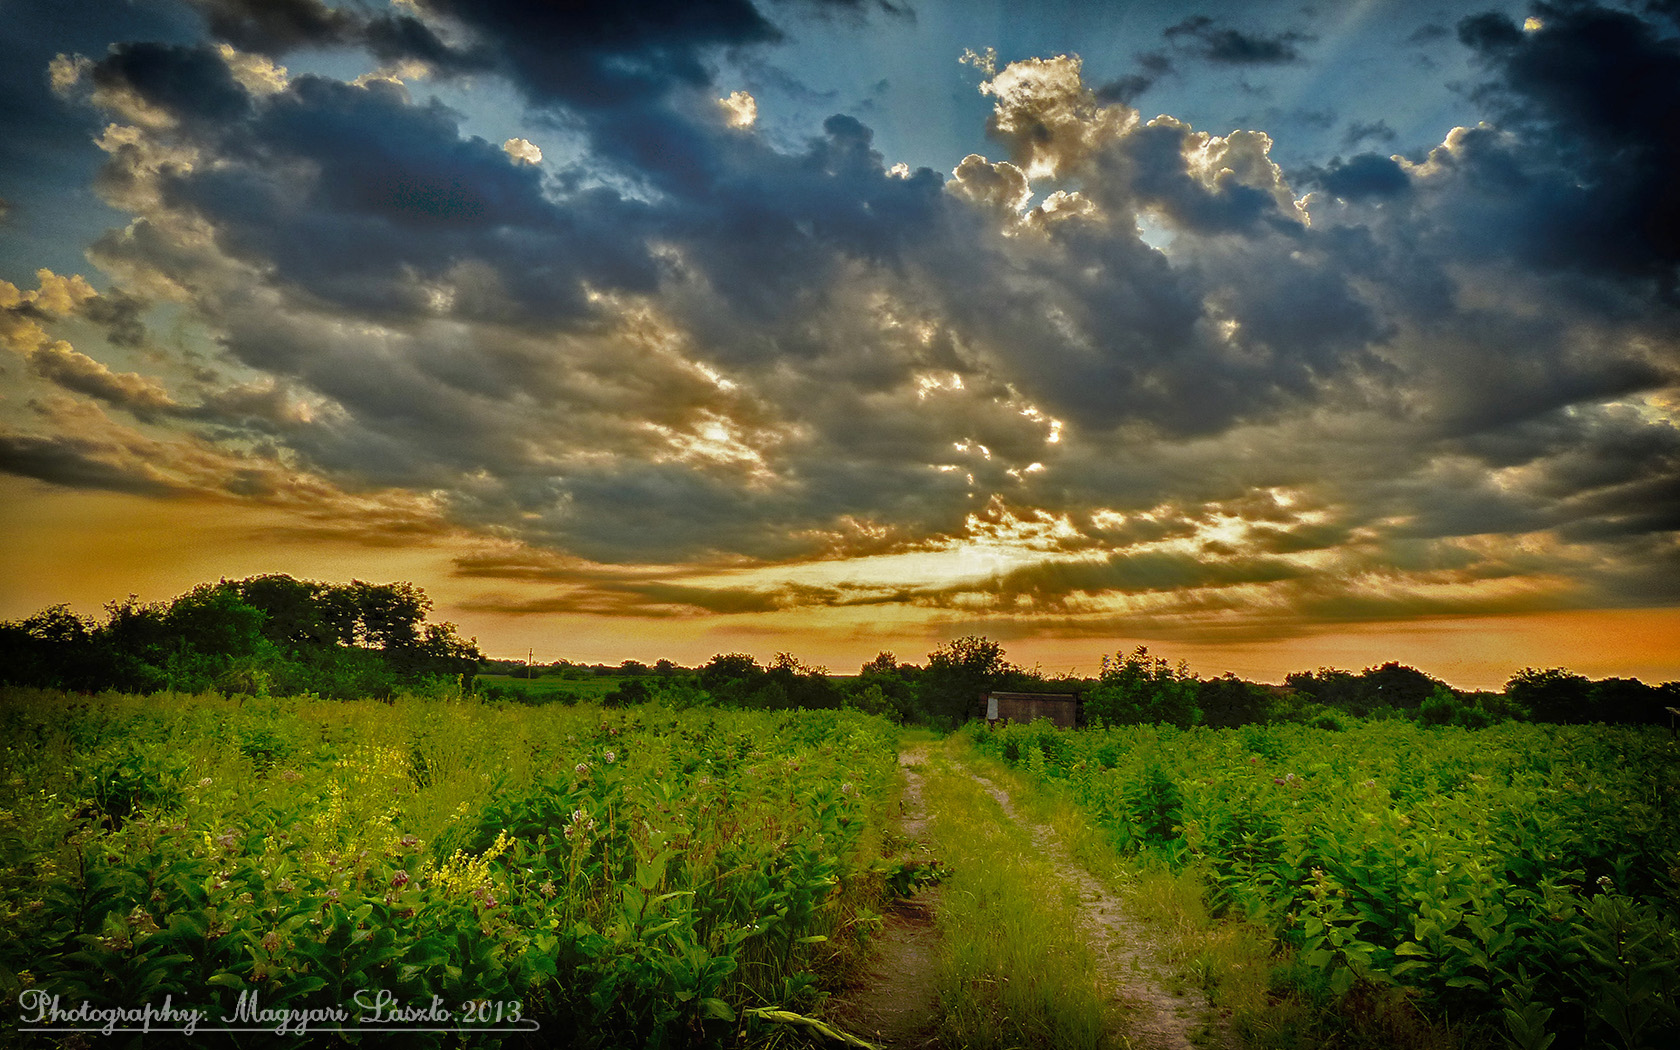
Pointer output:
x,y
893,1002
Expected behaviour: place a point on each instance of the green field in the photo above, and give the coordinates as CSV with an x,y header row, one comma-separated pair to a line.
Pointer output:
x,y
553,688
1522,881
578,875
636,877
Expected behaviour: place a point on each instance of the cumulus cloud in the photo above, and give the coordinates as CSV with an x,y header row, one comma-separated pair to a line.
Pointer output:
x,y
1150,375
522,150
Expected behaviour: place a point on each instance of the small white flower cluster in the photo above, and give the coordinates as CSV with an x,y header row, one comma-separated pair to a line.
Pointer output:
x,y
580,820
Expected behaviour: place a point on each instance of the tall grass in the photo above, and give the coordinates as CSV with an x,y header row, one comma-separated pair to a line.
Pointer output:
x,y
1015,969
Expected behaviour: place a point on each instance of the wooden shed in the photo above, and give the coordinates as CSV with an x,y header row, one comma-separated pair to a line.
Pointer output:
x,y
1063,709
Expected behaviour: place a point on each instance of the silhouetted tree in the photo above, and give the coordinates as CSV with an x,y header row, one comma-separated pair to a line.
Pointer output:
x,y
958,674
1552,695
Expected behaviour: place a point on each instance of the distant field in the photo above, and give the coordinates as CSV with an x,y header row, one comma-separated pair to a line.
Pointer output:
x,y
553,687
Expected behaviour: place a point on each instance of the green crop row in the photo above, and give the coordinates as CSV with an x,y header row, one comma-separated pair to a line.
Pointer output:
x,y
1523,879
639,878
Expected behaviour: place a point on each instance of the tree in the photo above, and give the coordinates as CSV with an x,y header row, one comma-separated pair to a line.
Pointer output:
x,y
804,685
958,674
213,620
1139,688
1627,700
731,677
1395,685
1230,701
886,687
1552,695
1328,686
388,615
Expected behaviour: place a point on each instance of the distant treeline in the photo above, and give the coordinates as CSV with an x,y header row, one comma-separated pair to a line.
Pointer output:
x,y
1133,687
262,635
277,635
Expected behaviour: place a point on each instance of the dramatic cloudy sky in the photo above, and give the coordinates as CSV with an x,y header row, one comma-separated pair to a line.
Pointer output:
x,y
1269,335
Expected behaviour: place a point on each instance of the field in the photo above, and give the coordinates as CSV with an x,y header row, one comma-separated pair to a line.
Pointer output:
x,y
567,874
1521,883
557,875
551,688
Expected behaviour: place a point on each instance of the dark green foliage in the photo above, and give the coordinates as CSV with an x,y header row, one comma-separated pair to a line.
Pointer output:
x,y
1552,695
1138,688
262,635
1520,879
1230,701
948,691
1390,686
737,680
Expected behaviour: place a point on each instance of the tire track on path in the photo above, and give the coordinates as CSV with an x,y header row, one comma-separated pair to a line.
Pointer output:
x,y
1125,950
894,1002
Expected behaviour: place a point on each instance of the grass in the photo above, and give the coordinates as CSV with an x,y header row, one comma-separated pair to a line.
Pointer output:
x,y
1015,969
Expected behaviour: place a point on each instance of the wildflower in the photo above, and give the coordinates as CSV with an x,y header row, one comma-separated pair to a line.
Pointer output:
x,y
285,886
581,769
1605,884
205,782
409,841
547,888
291,776
271,941
611,757
399,880
847,789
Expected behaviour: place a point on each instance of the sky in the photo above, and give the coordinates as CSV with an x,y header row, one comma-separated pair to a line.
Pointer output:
x,y
1268,335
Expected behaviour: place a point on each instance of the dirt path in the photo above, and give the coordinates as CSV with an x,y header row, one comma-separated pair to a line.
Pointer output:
x,y
1126,953
895,1001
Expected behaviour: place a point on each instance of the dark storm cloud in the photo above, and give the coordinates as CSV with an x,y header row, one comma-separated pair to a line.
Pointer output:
x,y
66,461
1152,66
607,54
1363,176
120,314
274,27
1206,38
1428,33
1594,94
190,82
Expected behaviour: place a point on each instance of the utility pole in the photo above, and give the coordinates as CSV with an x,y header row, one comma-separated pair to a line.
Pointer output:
x,y
529,653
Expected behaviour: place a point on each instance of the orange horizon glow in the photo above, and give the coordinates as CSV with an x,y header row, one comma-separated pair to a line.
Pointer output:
x,y
86,549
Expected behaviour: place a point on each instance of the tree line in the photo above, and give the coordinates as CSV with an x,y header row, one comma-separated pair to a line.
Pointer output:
x,y
262,635
277,635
